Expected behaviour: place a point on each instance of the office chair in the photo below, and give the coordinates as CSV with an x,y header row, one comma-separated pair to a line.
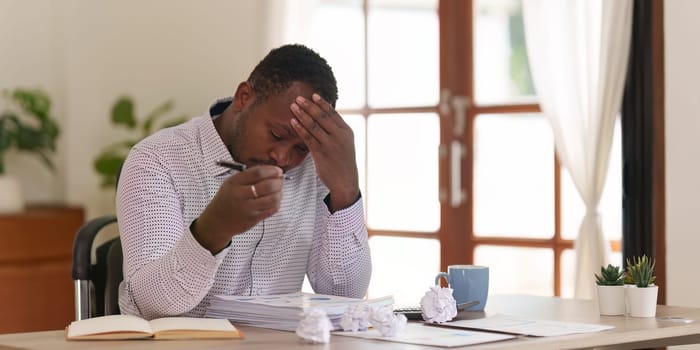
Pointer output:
x,y
96,285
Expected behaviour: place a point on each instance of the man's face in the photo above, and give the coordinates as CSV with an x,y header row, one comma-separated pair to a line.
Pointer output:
x,y
262,133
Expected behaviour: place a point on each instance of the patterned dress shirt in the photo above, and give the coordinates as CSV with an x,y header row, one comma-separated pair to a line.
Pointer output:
x,y
167,181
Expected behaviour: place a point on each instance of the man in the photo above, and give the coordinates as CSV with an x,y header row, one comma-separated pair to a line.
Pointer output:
x,y
191,229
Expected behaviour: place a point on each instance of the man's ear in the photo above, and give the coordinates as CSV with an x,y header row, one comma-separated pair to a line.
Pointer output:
x,y
243,97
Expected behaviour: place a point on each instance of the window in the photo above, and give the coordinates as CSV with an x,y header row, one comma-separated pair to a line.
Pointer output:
x,y
457,164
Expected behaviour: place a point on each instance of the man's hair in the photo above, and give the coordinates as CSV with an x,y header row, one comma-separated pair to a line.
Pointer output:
x,y
287,64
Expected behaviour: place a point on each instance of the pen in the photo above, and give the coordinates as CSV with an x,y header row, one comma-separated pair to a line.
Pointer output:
x,y
231,165
240,167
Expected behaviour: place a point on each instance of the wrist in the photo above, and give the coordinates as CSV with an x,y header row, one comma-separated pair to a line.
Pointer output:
x,y
202,235
341,200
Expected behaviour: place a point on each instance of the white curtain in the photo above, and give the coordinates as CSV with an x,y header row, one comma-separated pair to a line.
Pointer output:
x,y
578,52
288,21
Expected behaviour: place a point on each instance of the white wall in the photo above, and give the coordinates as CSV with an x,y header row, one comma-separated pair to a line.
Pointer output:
x,y
26,51
682,98
87,53
682,69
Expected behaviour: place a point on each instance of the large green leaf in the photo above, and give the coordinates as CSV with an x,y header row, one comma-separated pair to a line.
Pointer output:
x,y
37,136
109,160
154,115
6,137
123,112
33,102
107,165
29,139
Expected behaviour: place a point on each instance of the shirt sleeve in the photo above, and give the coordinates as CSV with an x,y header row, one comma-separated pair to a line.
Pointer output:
x,y
166,271
340,261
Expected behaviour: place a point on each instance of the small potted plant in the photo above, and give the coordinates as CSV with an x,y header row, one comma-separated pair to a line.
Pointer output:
x,y
26,125
642,295
611,290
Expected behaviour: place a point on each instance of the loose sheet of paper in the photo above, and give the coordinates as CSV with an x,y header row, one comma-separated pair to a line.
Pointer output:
x,y
526,326
417,333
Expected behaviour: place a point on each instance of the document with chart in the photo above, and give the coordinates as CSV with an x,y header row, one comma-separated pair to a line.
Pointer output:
x,y
525,326
417,333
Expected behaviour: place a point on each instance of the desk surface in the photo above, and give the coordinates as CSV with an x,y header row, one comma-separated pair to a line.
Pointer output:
x,y
629,332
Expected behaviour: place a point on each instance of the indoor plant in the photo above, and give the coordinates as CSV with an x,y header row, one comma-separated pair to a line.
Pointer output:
x,y
26,124
611,290
642,295
109,161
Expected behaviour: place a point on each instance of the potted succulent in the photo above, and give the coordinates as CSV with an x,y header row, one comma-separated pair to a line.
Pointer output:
x,y
26,124
642,296
611,290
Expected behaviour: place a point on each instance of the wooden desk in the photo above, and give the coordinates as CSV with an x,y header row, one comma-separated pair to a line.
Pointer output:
x,y
36,289
629,332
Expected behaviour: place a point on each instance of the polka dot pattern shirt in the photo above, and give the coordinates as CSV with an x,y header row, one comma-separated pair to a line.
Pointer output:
x,y
167,181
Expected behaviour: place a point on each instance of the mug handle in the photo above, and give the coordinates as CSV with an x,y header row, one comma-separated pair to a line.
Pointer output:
x,y
444,275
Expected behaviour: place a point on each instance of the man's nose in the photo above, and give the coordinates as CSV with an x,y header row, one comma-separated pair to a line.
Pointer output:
x,y
281,156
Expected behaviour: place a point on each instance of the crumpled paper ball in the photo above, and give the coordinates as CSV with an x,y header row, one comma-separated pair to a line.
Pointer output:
x,y
355,318
388,323
315,327
438,305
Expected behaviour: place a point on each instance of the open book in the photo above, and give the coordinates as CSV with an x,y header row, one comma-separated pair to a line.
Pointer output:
x,y
132,327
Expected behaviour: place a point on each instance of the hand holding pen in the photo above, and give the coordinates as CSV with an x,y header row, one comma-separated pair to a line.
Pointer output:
x,y
240,167
241,202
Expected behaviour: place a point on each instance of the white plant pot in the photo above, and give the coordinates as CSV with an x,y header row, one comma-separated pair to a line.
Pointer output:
x,y
611,300
627,300
642,301
11,201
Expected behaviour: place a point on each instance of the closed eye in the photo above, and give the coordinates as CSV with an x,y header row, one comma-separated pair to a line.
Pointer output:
x,y
275,136
302,149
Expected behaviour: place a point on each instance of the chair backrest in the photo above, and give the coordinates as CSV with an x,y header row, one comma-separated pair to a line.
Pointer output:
x,y
96,285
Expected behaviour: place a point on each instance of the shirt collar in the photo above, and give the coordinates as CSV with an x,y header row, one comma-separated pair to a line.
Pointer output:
x,y
213,147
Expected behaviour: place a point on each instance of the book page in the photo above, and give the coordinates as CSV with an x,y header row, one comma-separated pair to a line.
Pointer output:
x,y
109,326
191,324
190,327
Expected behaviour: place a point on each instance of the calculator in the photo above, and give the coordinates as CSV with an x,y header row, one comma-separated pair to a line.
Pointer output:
x,y
412,312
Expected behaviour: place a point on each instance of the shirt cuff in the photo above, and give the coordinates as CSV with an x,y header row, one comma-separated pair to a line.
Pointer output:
x,y
350,219
191,251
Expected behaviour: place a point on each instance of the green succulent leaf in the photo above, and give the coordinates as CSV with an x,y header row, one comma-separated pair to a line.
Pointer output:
x,y
610,276
642,271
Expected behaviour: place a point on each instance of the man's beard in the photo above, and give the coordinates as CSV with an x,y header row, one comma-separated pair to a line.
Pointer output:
x,y
238,135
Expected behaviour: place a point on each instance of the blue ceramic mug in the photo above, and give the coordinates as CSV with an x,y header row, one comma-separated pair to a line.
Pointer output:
x,y
469,283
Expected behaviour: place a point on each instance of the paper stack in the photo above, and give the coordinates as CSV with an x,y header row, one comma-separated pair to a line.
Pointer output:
x,y
283,311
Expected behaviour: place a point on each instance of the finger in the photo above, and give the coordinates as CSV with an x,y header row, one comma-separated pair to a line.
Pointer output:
x,y
266,205
329,111
266,187
319,115
307,137
313,133
257,173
